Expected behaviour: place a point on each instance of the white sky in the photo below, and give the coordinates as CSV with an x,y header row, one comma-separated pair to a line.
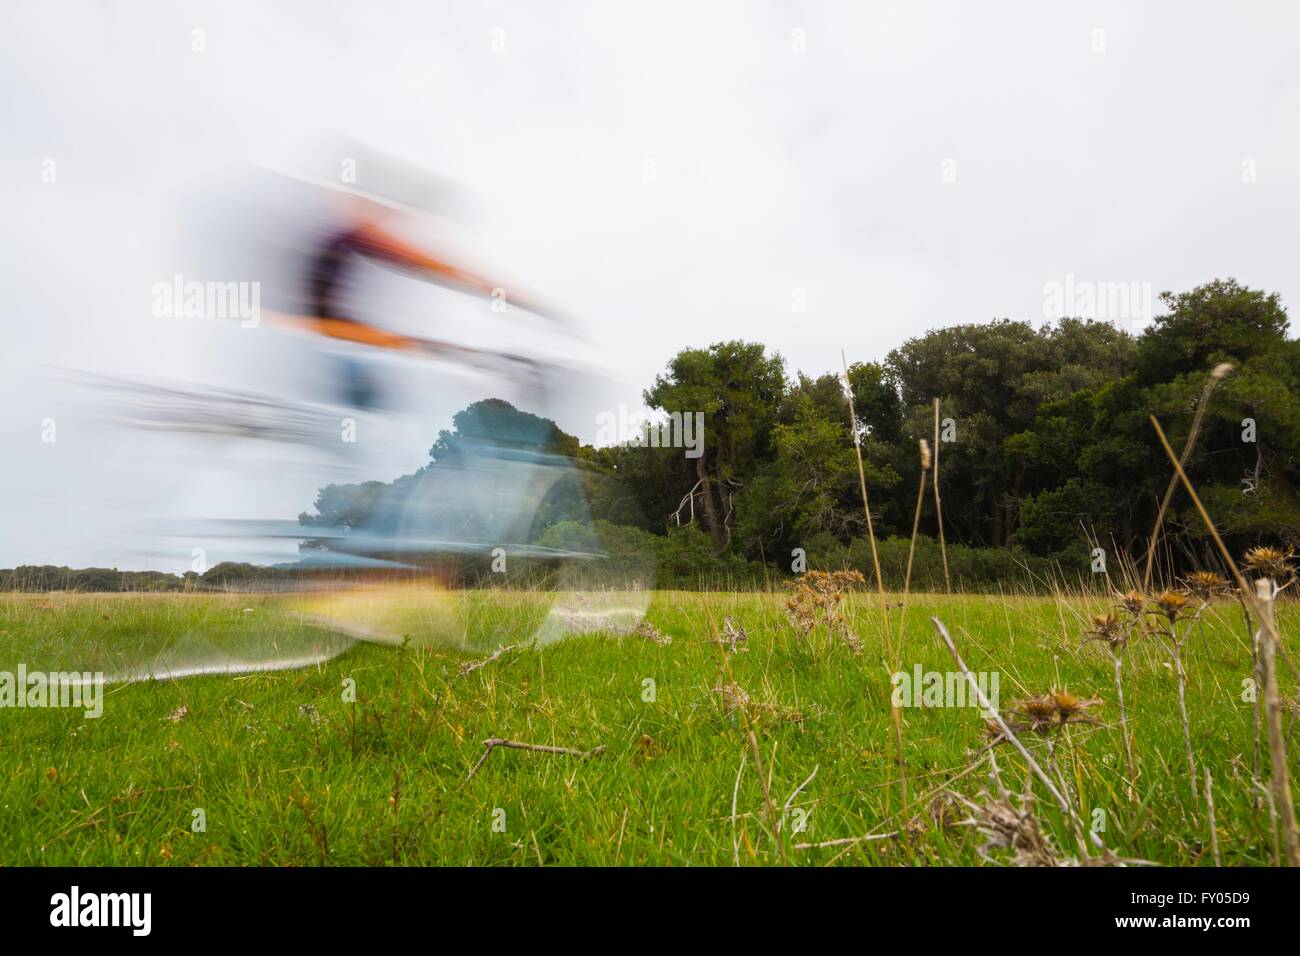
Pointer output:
x,y
774,171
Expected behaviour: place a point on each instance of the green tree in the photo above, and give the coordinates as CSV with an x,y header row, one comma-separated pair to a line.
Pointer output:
x,y
991,381
1101,437
738,387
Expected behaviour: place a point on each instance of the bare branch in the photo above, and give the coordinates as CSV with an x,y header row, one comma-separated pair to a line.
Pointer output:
x,y
492,743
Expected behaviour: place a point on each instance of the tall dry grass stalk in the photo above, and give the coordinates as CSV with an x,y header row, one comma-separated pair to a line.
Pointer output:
x,y
1280,791
923,448
938,504
862,487
896,714
1219,374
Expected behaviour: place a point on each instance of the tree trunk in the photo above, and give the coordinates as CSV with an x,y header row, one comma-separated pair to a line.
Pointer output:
x,y
710,510
1013,506
995,510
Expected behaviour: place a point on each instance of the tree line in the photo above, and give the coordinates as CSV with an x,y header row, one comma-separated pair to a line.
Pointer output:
x,y
1046,449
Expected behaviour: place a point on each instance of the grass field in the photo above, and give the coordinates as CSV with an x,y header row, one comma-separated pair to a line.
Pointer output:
x,y
285,771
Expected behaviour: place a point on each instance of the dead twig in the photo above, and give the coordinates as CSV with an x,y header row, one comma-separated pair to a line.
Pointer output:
x,y
470,667
492,743
846,841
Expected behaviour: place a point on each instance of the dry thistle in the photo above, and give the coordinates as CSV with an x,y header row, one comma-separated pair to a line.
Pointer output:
x,y
1132,602
1270,562
1051,711
647,631
1071,708
817,598
1205,584
733,636
1040,712
1005,826
1170,604
735,698
1108,629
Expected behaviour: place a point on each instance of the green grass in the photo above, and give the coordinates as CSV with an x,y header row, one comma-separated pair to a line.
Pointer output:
x,y
288,773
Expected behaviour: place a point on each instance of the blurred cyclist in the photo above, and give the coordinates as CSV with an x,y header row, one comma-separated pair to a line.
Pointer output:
x,y
369,231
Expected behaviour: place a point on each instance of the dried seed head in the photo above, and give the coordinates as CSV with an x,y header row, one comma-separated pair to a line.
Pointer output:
x,y
1069,707
1132,602
817,598
734,636
1039,712
925,454
1205,584
1107,627
1054,709
649,632
1007,827
1170,603
1270,562
1221,371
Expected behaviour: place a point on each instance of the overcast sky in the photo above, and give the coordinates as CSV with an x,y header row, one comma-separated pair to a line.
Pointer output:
x,y
814,176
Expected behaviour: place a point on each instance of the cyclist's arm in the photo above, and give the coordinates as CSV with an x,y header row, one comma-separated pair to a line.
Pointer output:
x,y
387,247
